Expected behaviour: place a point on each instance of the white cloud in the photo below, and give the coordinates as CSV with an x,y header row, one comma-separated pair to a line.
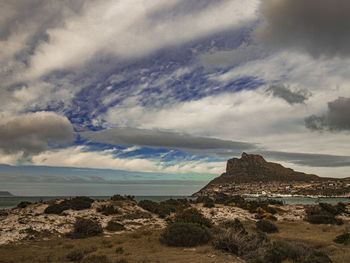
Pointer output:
x,y
80,156
129,28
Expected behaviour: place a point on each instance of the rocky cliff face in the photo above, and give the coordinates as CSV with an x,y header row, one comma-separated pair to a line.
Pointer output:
x,y
254,168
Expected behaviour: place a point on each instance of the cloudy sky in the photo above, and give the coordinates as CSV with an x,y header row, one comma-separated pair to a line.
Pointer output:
x,y
159,94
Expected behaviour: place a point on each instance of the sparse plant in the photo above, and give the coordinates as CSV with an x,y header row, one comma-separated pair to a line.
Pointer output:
x,y
107,210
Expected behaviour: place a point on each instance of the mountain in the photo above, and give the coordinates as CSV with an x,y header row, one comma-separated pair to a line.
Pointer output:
x,y
252,168
5,194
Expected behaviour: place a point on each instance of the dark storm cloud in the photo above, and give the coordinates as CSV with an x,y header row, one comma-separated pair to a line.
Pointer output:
x,y
292,97
161,139
322,27
305,159
31,133
337,117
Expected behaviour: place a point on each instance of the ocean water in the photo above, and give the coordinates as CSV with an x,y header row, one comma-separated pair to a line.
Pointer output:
x,y
9,202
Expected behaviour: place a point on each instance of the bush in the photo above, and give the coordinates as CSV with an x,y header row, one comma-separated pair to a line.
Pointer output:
x,y
108,210
319,215
236,225
266,226
23,204
114,226
118,197
343,239
86,228
281,251
318,257
56,209
251,248
75,255
162,209
209,203
78,203
185,235
96,259
192,215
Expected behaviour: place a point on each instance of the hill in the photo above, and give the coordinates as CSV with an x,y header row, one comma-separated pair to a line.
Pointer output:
x,y
5,194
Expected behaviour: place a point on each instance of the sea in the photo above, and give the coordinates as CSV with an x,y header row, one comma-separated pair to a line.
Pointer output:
x,y
12,201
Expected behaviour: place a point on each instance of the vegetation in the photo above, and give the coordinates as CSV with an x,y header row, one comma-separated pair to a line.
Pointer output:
x,y
343,239
325,214
164,208
107,210
23,204
96,259
76,203
236,225
185,235
266,226
114,226
318,257
192,215
118,197
85,228
75,255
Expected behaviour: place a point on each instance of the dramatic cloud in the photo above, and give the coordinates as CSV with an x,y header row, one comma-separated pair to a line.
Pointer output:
x,y
292,97
31,133
161,139
321,27
337,117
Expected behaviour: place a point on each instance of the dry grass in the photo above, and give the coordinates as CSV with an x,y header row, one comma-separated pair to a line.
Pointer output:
x,y
138,247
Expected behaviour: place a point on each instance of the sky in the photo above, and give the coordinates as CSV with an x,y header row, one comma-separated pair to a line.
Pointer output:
x,y
153,97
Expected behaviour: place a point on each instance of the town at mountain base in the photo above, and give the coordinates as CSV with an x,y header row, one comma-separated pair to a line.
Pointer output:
x,y
253,175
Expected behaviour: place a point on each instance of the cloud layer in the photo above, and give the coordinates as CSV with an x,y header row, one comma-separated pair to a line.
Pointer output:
x,y
321,27
31,133
161,139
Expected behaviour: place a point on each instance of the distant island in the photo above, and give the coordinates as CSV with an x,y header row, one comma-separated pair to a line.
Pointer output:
x,y
5,194
253,175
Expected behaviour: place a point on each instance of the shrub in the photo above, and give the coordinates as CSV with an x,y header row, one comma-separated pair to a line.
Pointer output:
x,y
321,215
78,203
96,259
118,197
236,225
108,210
75,255
318,257
86,228
55,209
266,226
185,235
192,215
209,203
162,209
343,239
23,204
114,226
119,250
251,248
281,251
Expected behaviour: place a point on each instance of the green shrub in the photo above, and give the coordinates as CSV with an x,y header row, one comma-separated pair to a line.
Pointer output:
x,y
185,235
114,226
319,215
75,255
192,215
162,209
149,205
318,257
343,239
96,259
23,204
86,228
266,226
107,210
